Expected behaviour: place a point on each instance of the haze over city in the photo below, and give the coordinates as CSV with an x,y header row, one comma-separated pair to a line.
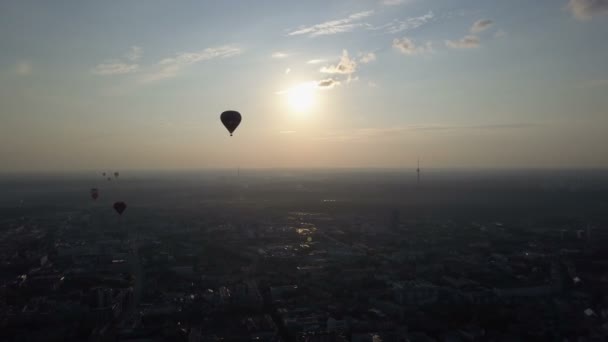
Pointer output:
x,y
322,84
303,171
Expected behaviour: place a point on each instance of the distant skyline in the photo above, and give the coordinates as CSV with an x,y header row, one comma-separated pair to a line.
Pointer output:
x,y
367,83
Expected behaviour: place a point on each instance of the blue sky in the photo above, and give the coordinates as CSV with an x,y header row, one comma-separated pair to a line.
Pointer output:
x,y
365,83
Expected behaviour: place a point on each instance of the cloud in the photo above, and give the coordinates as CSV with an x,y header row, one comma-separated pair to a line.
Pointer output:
x,y
187,58
367,58
287,132
408,47
585,9
468,42
481,25
324,84
333,26
279,55
397,25
346,66
170,67
23,68
500,34
114,67
118,66
315,61
327,83
287,71
372,84
392,2
134,53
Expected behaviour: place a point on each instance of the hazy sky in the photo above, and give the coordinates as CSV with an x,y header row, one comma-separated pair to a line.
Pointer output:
x,y
360,83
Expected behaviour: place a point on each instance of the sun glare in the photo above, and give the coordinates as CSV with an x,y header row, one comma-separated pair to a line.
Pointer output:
x,y
301,98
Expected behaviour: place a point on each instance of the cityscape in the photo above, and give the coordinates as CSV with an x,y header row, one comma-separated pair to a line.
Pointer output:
x,y
304,171
339,255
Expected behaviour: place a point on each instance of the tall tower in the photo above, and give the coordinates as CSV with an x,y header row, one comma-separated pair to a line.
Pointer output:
x,y
418,172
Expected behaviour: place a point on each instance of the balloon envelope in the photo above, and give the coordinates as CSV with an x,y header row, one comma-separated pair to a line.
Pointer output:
x,y
231,120
94,193
116,174
120,207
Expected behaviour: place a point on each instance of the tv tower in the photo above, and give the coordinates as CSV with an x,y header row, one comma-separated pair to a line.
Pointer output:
x,y
418,172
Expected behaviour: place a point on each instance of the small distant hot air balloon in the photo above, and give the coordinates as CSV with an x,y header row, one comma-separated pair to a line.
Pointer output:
x,y
103,174
116,174
120,207
231,120
109,178
94,193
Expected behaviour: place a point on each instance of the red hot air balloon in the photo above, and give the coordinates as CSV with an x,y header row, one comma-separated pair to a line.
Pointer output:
x,y
94,193
231,120
120,207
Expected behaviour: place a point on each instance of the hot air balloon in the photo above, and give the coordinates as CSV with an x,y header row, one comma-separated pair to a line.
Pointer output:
x,y
116,174
231,120
103,174
94,193
120,207
109,178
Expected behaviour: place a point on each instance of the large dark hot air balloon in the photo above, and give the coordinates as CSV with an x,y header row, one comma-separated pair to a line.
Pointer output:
x,y
120,207
94,193
231,120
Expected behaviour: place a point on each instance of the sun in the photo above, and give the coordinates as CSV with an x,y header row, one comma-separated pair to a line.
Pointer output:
x,y
301,98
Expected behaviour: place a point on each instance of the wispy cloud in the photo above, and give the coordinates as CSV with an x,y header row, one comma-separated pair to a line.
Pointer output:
x,y
585,9
328,83
23,68
170,67
467,42
346,66
118,66
135,53
316,61
324,84
114,67
279,54
333,26
481,25
401,25
343,71
500,34
407,47
287,71
367,58
393,2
